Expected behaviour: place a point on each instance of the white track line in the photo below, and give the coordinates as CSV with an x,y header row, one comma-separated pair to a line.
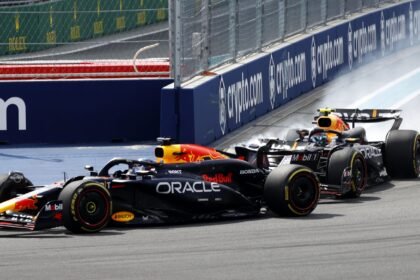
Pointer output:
x,y
368,97
407,99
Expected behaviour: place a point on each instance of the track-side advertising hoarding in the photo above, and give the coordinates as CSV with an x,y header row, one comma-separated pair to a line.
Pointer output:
x,y
204,112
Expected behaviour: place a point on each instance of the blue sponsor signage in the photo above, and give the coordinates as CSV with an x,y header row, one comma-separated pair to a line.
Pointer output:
x,y
80,111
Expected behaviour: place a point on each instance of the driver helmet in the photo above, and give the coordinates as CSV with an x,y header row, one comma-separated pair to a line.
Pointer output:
x,y
321,139
331,122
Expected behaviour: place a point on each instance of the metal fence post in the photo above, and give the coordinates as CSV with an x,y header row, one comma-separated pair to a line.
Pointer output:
x,y
205,25
175,41
175,46
323,11
259,26
282,19
304,14
343,4
233,25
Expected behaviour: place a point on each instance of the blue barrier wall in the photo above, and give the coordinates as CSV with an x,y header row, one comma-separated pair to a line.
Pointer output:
x,y
207,111
80,111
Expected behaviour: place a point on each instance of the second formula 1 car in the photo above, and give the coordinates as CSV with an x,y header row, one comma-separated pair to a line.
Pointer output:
x,y
339,152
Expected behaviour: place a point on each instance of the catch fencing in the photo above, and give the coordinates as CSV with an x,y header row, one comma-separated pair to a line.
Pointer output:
x,y
58,38
207,33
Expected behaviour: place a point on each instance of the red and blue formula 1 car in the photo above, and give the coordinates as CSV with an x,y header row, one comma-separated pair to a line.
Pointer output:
x,y
339,153
185,183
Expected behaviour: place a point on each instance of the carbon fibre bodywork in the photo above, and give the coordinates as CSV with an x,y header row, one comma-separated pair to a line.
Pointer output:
x,y
166,193
149,192
145,192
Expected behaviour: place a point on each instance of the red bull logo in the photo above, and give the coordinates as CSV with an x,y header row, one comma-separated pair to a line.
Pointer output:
x,y
181,153
219,178
26,204
194,153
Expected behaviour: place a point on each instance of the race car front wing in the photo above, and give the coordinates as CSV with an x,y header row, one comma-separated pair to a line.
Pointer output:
x,y
49,216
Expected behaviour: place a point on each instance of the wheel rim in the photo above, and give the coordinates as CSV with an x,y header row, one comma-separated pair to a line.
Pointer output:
x,y
358,174
303,193
92,208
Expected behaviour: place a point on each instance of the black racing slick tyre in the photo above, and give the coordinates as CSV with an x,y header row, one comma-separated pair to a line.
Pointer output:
x,y
13,184
402,154
353,161
291,190
86,206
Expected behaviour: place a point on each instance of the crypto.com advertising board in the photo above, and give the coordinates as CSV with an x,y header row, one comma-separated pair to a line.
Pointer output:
x,y
227,101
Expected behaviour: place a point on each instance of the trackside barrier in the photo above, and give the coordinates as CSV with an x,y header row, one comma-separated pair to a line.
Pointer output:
x,y
80,111
85,69
211,107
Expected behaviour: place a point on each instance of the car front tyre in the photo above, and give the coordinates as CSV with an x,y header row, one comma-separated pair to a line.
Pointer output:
x,y
87,206
402,154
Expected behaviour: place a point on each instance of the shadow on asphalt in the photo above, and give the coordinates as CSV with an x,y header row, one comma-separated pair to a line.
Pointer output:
x,y
364,198
324,216
53,233
379,188
61,232
226,221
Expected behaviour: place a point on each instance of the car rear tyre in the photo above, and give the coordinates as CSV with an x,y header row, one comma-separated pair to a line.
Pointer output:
x,y
340,161
402,154
86,206
291,190
13,184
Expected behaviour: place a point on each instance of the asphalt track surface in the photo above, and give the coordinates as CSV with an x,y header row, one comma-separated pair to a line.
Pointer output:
x,y
374,237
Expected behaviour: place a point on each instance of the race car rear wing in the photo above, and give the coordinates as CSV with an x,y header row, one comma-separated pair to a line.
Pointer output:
x,y
364,116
